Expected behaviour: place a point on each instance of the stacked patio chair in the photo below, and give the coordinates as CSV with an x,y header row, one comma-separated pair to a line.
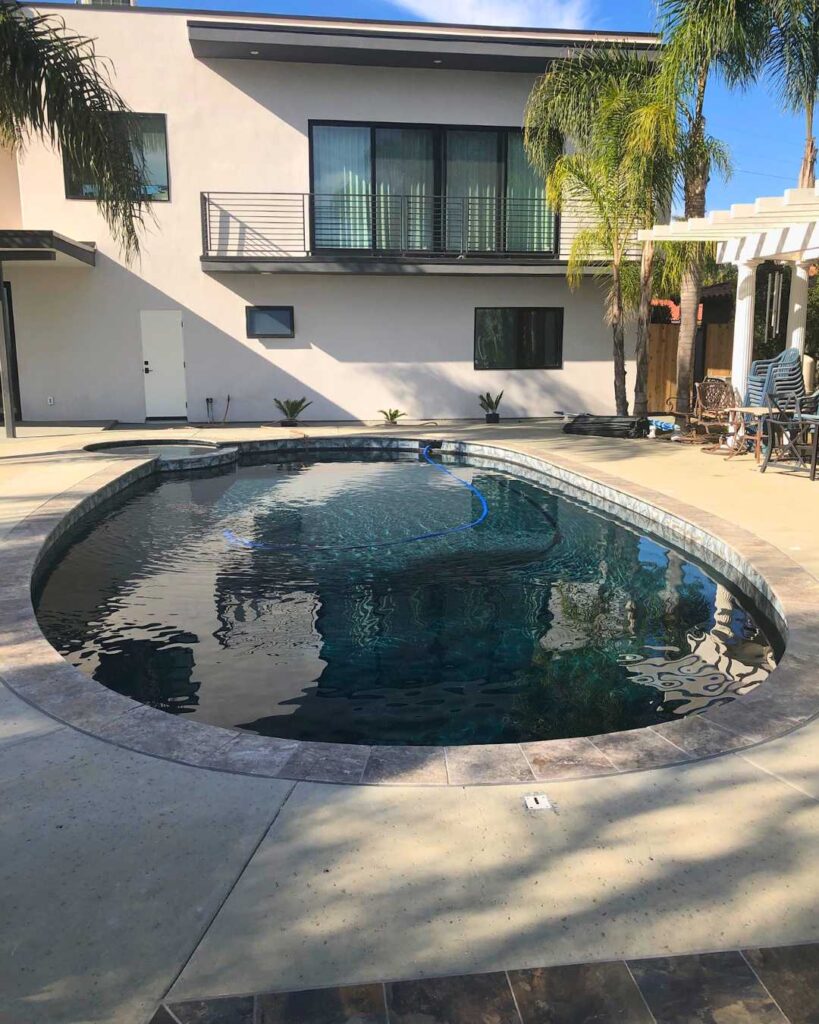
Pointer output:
x,y
791,429
781,375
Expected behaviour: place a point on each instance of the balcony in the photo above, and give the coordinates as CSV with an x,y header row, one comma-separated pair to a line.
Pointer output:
x,y
266,232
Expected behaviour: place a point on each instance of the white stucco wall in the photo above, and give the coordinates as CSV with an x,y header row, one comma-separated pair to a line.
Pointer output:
x,y
362,342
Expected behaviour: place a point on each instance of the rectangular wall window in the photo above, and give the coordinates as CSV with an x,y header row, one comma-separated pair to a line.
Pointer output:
x,y
515,338
270,322
426,188
150,156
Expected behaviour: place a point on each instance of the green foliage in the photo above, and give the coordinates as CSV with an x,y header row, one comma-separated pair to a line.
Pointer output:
x,y
793,68
55,88
391,415
618,176
291,408
621,167
812,330
488,403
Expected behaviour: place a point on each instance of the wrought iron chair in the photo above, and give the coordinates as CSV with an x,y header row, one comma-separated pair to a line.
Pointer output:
x,y
713,397
789,427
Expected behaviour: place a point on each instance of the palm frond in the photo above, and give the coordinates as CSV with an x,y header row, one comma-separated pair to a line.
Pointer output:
x,y
54,87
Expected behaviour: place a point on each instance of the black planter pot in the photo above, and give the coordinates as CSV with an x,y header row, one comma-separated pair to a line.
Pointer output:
x,y
493,417
288,423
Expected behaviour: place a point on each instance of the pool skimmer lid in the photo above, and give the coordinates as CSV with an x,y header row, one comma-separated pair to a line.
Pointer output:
x,y
538,802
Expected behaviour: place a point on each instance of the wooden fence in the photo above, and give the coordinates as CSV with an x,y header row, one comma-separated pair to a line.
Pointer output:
x,y
662,360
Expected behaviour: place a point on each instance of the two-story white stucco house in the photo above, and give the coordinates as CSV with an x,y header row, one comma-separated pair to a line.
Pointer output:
x,y
342,210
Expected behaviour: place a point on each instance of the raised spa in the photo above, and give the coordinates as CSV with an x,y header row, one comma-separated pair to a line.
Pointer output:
x,y
391,598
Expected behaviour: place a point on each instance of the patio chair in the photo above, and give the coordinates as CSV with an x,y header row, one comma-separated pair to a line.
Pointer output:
x,y
781,375
788,431
713,397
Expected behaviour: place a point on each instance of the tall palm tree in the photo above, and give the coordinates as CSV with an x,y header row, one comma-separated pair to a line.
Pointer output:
x,y
793,61
54,88
703,38
590,182
595,99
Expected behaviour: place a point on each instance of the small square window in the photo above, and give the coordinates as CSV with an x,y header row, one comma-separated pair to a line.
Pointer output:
x,y
270,322
515,338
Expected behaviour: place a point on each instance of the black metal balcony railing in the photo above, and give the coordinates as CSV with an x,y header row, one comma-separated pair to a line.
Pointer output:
x,y
266,225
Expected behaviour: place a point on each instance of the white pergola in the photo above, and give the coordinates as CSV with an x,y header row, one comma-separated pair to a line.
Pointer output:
x,y
783,228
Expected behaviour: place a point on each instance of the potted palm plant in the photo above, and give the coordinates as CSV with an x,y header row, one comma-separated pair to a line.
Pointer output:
x,y
490,406
391,416
291,409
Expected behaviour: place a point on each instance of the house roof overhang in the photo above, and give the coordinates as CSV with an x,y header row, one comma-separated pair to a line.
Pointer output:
x,y
18,245
381,44
782,227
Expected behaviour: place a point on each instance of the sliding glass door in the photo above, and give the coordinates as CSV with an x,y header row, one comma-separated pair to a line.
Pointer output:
x,y
414,188
405,189
473,182
528,220
342,187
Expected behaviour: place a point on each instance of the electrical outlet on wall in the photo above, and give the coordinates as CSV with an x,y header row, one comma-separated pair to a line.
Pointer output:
x,y
50,399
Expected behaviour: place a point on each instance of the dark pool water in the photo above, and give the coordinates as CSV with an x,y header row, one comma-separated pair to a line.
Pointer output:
x,y
288,598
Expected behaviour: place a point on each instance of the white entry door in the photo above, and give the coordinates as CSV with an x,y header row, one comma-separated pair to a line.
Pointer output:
x,y
163,355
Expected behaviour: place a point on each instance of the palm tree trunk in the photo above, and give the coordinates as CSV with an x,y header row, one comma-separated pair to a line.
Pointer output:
x,y
687,337
695,185
618,342
643,324
807,172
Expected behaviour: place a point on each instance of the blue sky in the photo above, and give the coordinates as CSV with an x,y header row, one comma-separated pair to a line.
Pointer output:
x,y
766,145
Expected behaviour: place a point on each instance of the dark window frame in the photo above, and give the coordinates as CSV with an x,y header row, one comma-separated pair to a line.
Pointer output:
x,y
439,131
559,310
249,310
148,199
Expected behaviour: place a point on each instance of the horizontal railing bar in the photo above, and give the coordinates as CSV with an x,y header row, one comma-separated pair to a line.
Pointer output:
x,y
373,224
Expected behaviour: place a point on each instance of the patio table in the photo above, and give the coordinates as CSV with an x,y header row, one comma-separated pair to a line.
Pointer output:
x,y
737,418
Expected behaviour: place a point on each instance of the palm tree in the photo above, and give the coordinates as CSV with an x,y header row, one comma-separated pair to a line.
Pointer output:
x,y
54,88
596,99
793,61
703,37
591,183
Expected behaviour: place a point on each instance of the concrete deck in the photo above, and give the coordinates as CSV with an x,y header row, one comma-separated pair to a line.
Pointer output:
x,y
124,877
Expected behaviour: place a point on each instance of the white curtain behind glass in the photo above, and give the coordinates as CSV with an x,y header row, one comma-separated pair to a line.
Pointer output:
x,y
405,185
471,190
342,187
529,221
154,156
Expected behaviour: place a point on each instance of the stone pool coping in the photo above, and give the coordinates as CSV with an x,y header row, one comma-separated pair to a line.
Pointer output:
x,y
218,454
38,674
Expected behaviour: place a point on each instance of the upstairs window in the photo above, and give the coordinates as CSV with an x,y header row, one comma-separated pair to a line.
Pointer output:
x,y
151,157
426,188
515,338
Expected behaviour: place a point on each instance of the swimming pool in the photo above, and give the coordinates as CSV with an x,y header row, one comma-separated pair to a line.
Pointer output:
x,y
367,598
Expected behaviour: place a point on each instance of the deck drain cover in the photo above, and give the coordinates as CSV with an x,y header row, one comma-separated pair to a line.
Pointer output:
x,y
538,802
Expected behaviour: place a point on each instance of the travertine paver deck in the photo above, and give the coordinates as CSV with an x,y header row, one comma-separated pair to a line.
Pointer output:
x,y
127,875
